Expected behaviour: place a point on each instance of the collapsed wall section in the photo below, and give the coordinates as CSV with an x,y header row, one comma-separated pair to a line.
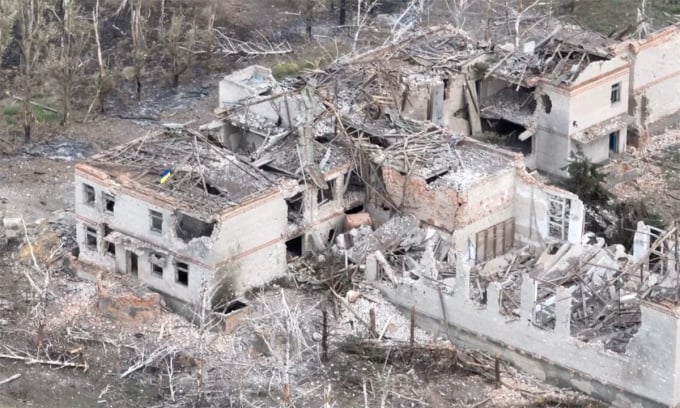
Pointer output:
x,y
545,213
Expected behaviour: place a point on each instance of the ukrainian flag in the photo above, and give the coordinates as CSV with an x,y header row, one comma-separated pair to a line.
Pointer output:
x,y
166,174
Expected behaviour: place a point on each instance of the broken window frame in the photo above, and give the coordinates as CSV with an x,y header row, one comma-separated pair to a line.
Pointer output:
x,y
89,195
106,200
188,227
91,239
110,249
182,268
558,216
615,95
156,221
326,195
157,264
109,246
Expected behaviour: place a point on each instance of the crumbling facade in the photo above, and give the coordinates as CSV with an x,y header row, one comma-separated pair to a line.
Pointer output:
x,y
575,90
583,315
454,227
211,225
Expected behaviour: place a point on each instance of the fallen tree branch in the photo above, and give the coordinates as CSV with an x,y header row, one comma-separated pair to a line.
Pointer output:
x,y
155,355
36,104
31,361
10,379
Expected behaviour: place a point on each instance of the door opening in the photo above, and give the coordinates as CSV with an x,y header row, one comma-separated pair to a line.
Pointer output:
x,y
132,268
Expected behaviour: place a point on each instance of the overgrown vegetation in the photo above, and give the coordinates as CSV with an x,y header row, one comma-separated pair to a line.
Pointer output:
x,y
12,114
606,215
586,179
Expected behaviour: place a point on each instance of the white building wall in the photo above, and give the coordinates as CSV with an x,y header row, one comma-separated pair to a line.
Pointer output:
x,y
253,235
597,150
656,76
590,104
644,376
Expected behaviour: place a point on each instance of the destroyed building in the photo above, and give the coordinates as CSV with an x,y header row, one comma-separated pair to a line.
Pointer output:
x,y
177,213
575,89
483,250
584,315
481,194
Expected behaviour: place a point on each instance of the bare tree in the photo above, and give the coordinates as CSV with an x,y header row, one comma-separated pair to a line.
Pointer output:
x,y
178,41
34,33
457,8
307,11
103,79
66,63
364,7
8,14
209,36
138,39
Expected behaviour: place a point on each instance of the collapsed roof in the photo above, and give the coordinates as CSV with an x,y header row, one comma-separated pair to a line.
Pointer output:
x,y
559,58
204,177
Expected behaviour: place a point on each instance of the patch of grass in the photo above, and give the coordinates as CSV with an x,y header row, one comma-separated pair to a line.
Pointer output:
x,y
12,114
286,69
11,110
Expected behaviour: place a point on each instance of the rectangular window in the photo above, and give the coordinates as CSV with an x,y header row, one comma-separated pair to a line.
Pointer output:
x,y
91,237
109,203
156,221
616,93
88,195
157,264
182,276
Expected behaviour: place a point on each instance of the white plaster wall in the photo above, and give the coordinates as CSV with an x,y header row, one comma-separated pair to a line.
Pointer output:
x,y
455,102
247,229
663,99
558,120
655,75
492,86
592,105
97,256
552,151
231,94
131,217
167,283
418,100
255,234
254,270
597,150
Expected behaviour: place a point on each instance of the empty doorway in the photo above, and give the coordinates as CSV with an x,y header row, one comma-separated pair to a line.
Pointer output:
x,y
614,142
132,264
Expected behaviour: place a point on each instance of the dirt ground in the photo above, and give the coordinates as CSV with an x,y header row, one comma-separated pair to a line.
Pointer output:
x,y
247,367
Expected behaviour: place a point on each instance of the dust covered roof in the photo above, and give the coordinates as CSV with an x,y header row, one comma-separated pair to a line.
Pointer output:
x,y
204,178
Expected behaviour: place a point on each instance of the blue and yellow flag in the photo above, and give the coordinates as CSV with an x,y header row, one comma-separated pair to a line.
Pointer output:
x,y
166,174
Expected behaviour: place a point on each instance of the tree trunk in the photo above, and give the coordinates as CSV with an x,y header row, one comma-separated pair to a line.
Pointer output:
x,y
343,11
138,81
67,104
309,18
28,118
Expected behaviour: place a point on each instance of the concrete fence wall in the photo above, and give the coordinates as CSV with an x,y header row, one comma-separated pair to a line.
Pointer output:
x,y
645,376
